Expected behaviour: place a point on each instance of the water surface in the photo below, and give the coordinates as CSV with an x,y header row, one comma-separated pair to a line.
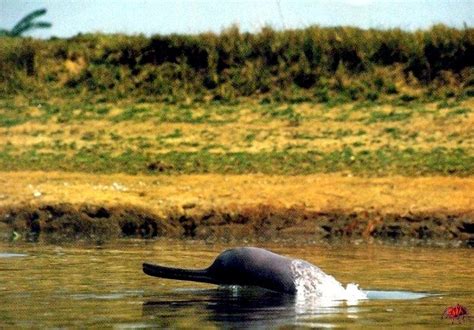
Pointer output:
x,y
86,286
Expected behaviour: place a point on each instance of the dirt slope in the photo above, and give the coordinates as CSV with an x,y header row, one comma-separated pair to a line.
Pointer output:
x,y
244,206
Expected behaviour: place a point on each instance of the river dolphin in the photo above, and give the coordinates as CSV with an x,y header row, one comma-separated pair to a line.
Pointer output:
x,y
245,266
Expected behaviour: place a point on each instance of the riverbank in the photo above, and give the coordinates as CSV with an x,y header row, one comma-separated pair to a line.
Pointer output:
x,y
60,206
359,138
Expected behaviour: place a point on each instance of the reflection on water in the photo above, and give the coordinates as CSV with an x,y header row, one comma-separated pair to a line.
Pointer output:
x,y
86,286
244,307
396,295
11,255
229,307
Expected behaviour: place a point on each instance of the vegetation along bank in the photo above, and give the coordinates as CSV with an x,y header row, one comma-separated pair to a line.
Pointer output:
x,y
315,63
312,134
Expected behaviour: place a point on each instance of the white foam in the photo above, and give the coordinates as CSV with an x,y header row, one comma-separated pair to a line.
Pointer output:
x,y
311,282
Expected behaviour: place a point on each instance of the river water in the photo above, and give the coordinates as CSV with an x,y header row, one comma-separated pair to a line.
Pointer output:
x,y
69,286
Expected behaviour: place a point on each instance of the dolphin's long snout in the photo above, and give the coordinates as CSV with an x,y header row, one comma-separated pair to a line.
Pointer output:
x,y
196,275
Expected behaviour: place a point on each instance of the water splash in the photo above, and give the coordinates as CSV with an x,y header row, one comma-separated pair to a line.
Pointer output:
x,y
311,282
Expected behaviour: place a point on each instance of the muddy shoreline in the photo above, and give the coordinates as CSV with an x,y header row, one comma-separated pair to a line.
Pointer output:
x,y
66,222
63,207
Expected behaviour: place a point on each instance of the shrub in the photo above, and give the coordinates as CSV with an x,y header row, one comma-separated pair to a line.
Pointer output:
x,y
288,64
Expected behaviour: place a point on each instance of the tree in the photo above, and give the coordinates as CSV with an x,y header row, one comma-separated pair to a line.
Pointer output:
x,y
26,24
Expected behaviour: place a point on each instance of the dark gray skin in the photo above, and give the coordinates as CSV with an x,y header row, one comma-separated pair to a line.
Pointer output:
x,y
246,266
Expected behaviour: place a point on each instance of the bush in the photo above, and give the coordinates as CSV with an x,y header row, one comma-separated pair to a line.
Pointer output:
x,y
309,62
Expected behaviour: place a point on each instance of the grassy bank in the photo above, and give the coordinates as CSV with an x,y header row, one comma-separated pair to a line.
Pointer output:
x,y
360,138
366,163
314,64
308,134
363,102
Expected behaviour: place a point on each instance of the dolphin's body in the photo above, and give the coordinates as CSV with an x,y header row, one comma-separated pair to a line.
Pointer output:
x,y
247,266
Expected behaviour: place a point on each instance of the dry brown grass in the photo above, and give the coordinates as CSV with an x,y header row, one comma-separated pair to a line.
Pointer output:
x,y
248,129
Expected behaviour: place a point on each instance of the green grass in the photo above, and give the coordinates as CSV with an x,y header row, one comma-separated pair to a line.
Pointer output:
x,y
377,138
459,112
394,132
303,136
131,113
379,116
383,161
286,113
177,133
9,121
249,138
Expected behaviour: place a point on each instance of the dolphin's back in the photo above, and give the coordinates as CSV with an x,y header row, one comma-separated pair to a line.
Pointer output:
x,y
254,266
